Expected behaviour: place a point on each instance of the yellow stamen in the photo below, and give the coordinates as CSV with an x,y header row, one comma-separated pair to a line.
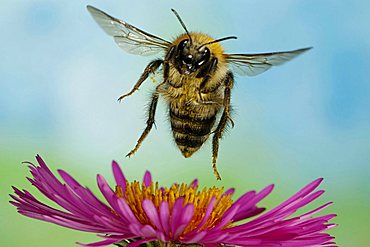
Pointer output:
x,y
136,192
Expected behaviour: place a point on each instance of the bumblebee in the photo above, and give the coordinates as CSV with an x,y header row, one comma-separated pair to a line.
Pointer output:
x,y
197,79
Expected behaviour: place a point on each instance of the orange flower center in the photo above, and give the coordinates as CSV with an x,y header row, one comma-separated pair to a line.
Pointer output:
x,y
136,192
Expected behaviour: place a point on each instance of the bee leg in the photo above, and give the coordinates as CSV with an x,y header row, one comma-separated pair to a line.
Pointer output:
x,y
222,123
208,74
215,143
230,119
149,122
166,66
150,68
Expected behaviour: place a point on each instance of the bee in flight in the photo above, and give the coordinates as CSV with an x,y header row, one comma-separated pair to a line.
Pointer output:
x,y
197,79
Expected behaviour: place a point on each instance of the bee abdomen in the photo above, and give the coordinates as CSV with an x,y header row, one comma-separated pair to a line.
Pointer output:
x,y
190,132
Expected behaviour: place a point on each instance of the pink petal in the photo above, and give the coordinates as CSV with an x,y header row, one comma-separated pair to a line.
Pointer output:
x,y
206,215
247,203
103,243
229,192
147,178
107,192
187,215
162,237
164,215
196,238
136,229
118,175
177,210
226,218
152,213
309,214
148,231
139,242
126,211
194,184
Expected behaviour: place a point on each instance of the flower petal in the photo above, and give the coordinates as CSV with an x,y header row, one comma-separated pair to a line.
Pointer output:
x,y
206,216
247,203
147,178
148,231
119,176
229,191
176,214
194,184
152,213
164,215
186,216
273,228
140,242
108,241
126,211
196,238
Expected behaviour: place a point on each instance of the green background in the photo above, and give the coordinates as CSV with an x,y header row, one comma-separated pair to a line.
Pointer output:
x,y
61,76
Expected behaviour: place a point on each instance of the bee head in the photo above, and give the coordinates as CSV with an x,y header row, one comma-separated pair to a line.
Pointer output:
x,y
191,57
190,53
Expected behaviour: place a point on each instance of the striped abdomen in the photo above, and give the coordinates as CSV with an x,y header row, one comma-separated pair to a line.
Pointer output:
x,y
191,128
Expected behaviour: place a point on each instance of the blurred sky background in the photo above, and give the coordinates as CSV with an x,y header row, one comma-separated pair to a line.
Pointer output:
x,y
61,76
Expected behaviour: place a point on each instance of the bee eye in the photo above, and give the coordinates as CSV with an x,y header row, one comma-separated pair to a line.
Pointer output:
x,y
205,56
182,44
206,53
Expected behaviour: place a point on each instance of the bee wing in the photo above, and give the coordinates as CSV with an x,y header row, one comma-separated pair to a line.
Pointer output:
x,y
128,37
254,64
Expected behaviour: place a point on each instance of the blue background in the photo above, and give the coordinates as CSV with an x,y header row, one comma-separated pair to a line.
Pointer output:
x,y
310,118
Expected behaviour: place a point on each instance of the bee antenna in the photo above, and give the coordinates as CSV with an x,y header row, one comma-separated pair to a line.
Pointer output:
x,y
182,24
219,40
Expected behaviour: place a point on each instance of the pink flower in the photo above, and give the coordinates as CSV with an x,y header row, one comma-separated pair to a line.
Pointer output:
x,y
139,213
